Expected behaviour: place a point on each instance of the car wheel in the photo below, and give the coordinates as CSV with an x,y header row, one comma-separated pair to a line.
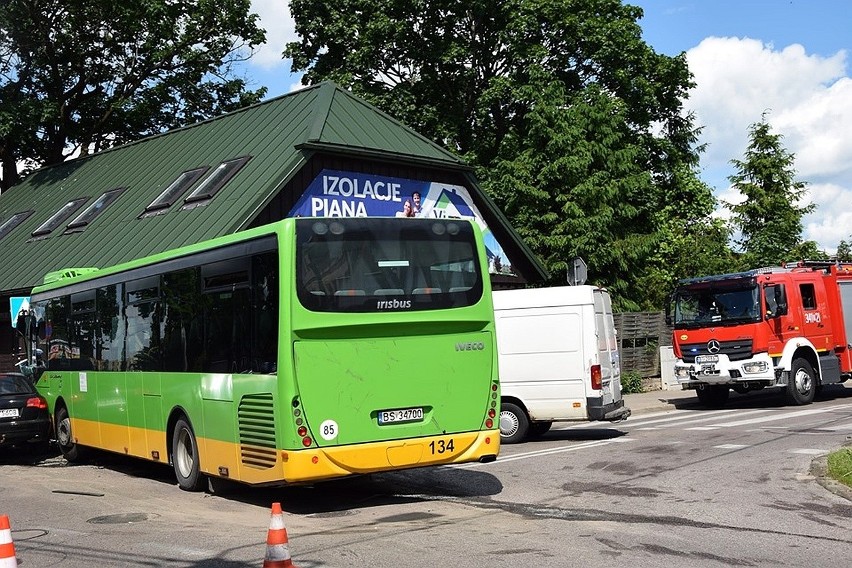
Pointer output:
x,y
514,423
801,384
185,457
65,437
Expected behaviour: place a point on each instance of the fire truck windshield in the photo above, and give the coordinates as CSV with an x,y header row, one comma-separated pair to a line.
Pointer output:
x,y
715,303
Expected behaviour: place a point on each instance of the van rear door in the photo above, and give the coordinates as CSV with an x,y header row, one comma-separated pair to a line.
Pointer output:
x,y
608,355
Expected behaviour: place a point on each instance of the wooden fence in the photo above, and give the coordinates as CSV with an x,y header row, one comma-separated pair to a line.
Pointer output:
x,y
640,335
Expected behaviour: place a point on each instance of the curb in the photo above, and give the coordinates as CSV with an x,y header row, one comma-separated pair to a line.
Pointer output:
x,y
819,469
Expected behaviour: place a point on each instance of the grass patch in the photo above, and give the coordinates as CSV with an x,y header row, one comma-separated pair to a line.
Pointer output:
x,y
631,382
840,466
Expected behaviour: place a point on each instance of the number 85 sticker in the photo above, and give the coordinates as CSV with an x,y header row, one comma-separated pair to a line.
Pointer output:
x,y
329,430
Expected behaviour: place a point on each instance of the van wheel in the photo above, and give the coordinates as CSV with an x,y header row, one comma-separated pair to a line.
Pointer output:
x,y
713,396
801,384
514,423
65,438
538,429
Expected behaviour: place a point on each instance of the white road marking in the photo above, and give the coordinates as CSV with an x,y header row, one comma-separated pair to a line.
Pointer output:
x,y
783,416
732,446
808,451
547,452
703,428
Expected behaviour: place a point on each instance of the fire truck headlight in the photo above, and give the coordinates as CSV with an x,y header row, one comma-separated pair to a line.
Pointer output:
x,y
755,367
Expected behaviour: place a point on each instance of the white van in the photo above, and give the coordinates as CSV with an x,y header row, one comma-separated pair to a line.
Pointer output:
x,y
558,359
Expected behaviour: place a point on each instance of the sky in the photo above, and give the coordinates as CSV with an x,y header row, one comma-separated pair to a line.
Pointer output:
x,y
786,60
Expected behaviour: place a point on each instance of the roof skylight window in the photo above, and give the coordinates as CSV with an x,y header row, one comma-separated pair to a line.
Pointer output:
x,y
216,180
174,191
9,224
59,217
92,211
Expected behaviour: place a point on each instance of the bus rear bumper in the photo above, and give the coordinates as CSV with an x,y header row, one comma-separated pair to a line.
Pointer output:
x,y
317,464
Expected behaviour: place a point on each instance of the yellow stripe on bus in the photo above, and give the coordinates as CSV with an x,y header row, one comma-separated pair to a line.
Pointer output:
x,y
227,459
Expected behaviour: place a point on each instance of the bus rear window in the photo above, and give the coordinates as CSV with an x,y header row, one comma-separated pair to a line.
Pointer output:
x,y
373,265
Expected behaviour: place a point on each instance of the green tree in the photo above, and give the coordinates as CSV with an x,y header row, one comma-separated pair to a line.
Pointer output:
x,y
573,123
693,242
85,76
769,220
844,250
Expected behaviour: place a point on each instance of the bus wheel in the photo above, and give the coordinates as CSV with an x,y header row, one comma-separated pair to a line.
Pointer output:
x,y
64,437
513,423
801,384
185,457
713,396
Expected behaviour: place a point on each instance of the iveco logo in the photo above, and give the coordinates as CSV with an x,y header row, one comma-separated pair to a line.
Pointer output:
x,y
713,346
472,346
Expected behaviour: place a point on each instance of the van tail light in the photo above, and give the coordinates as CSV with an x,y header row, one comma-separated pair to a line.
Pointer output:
x,y
596,377
36,402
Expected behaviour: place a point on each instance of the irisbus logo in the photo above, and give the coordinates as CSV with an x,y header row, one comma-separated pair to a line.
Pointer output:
x,y
470,346
393,304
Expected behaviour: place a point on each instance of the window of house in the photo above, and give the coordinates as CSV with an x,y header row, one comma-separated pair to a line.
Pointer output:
x,y
9,224
175,189
221,175
59,217
92,211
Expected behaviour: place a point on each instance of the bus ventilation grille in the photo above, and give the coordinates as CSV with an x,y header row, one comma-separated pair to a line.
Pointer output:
x,y
257,430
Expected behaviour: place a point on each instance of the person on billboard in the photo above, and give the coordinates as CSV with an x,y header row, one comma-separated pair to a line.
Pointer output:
x,y
411,207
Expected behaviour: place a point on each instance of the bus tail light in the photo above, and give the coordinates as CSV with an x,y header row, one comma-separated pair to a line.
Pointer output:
x,y
596,377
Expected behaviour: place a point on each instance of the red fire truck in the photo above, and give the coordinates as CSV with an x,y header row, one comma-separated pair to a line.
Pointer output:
x,y
770,327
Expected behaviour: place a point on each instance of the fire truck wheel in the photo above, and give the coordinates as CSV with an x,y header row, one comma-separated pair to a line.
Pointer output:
x,y
713,396
801,384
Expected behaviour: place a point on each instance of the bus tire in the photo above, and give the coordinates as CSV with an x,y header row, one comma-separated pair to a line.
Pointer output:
x,y
514,423
713,396
65,437
801,384
185,457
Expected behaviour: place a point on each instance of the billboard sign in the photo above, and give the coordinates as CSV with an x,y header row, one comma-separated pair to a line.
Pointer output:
x,y
336,193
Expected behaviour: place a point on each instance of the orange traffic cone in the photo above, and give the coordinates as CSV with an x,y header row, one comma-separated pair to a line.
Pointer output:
x,y
277,547
7,547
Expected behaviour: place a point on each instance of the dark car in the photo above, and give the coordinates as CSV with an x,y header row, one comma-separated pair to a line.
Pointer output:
x,y
23,412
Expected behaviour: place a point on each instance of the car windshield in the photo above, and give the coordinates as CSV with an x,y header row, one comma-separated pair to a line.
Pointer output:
x,y
15,384
717,303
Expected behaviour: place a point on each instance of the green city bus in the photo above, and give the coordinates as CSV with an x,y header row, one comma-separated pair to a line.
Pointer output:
x,y
305,350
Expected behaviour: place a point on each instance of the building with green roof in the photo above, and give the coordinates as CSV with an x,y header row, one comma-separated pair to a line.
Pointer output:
x,y
317,151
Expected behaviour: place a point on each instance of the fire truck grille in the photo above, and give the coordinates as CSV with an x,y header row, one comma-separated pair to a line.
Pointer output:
x,y
735,350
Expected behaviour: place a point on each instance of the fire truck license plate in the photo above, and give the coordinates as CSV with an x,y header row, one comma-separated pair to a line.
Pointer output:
x,y
699,359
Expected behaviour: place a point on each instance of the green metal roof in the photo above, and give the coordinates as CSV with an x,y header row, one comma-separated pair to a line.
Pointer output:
x,y
279,135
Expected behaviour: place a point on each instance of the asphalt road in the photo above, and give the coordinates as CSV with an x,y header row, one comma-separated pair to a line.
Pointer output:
x,y
683,487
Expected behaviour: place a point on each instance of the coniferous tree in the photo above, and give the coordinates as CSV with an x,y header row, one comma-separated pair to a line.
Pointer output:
x,y
769,220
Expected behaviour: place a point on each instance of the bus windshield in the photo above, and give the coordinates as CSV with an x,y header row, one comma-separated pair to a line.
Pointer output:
x,y
350,265
717,303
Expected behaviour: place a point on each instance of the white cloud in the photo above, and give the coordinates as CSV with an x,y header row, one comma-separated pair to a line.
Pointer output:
x,y
805,98
280,28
